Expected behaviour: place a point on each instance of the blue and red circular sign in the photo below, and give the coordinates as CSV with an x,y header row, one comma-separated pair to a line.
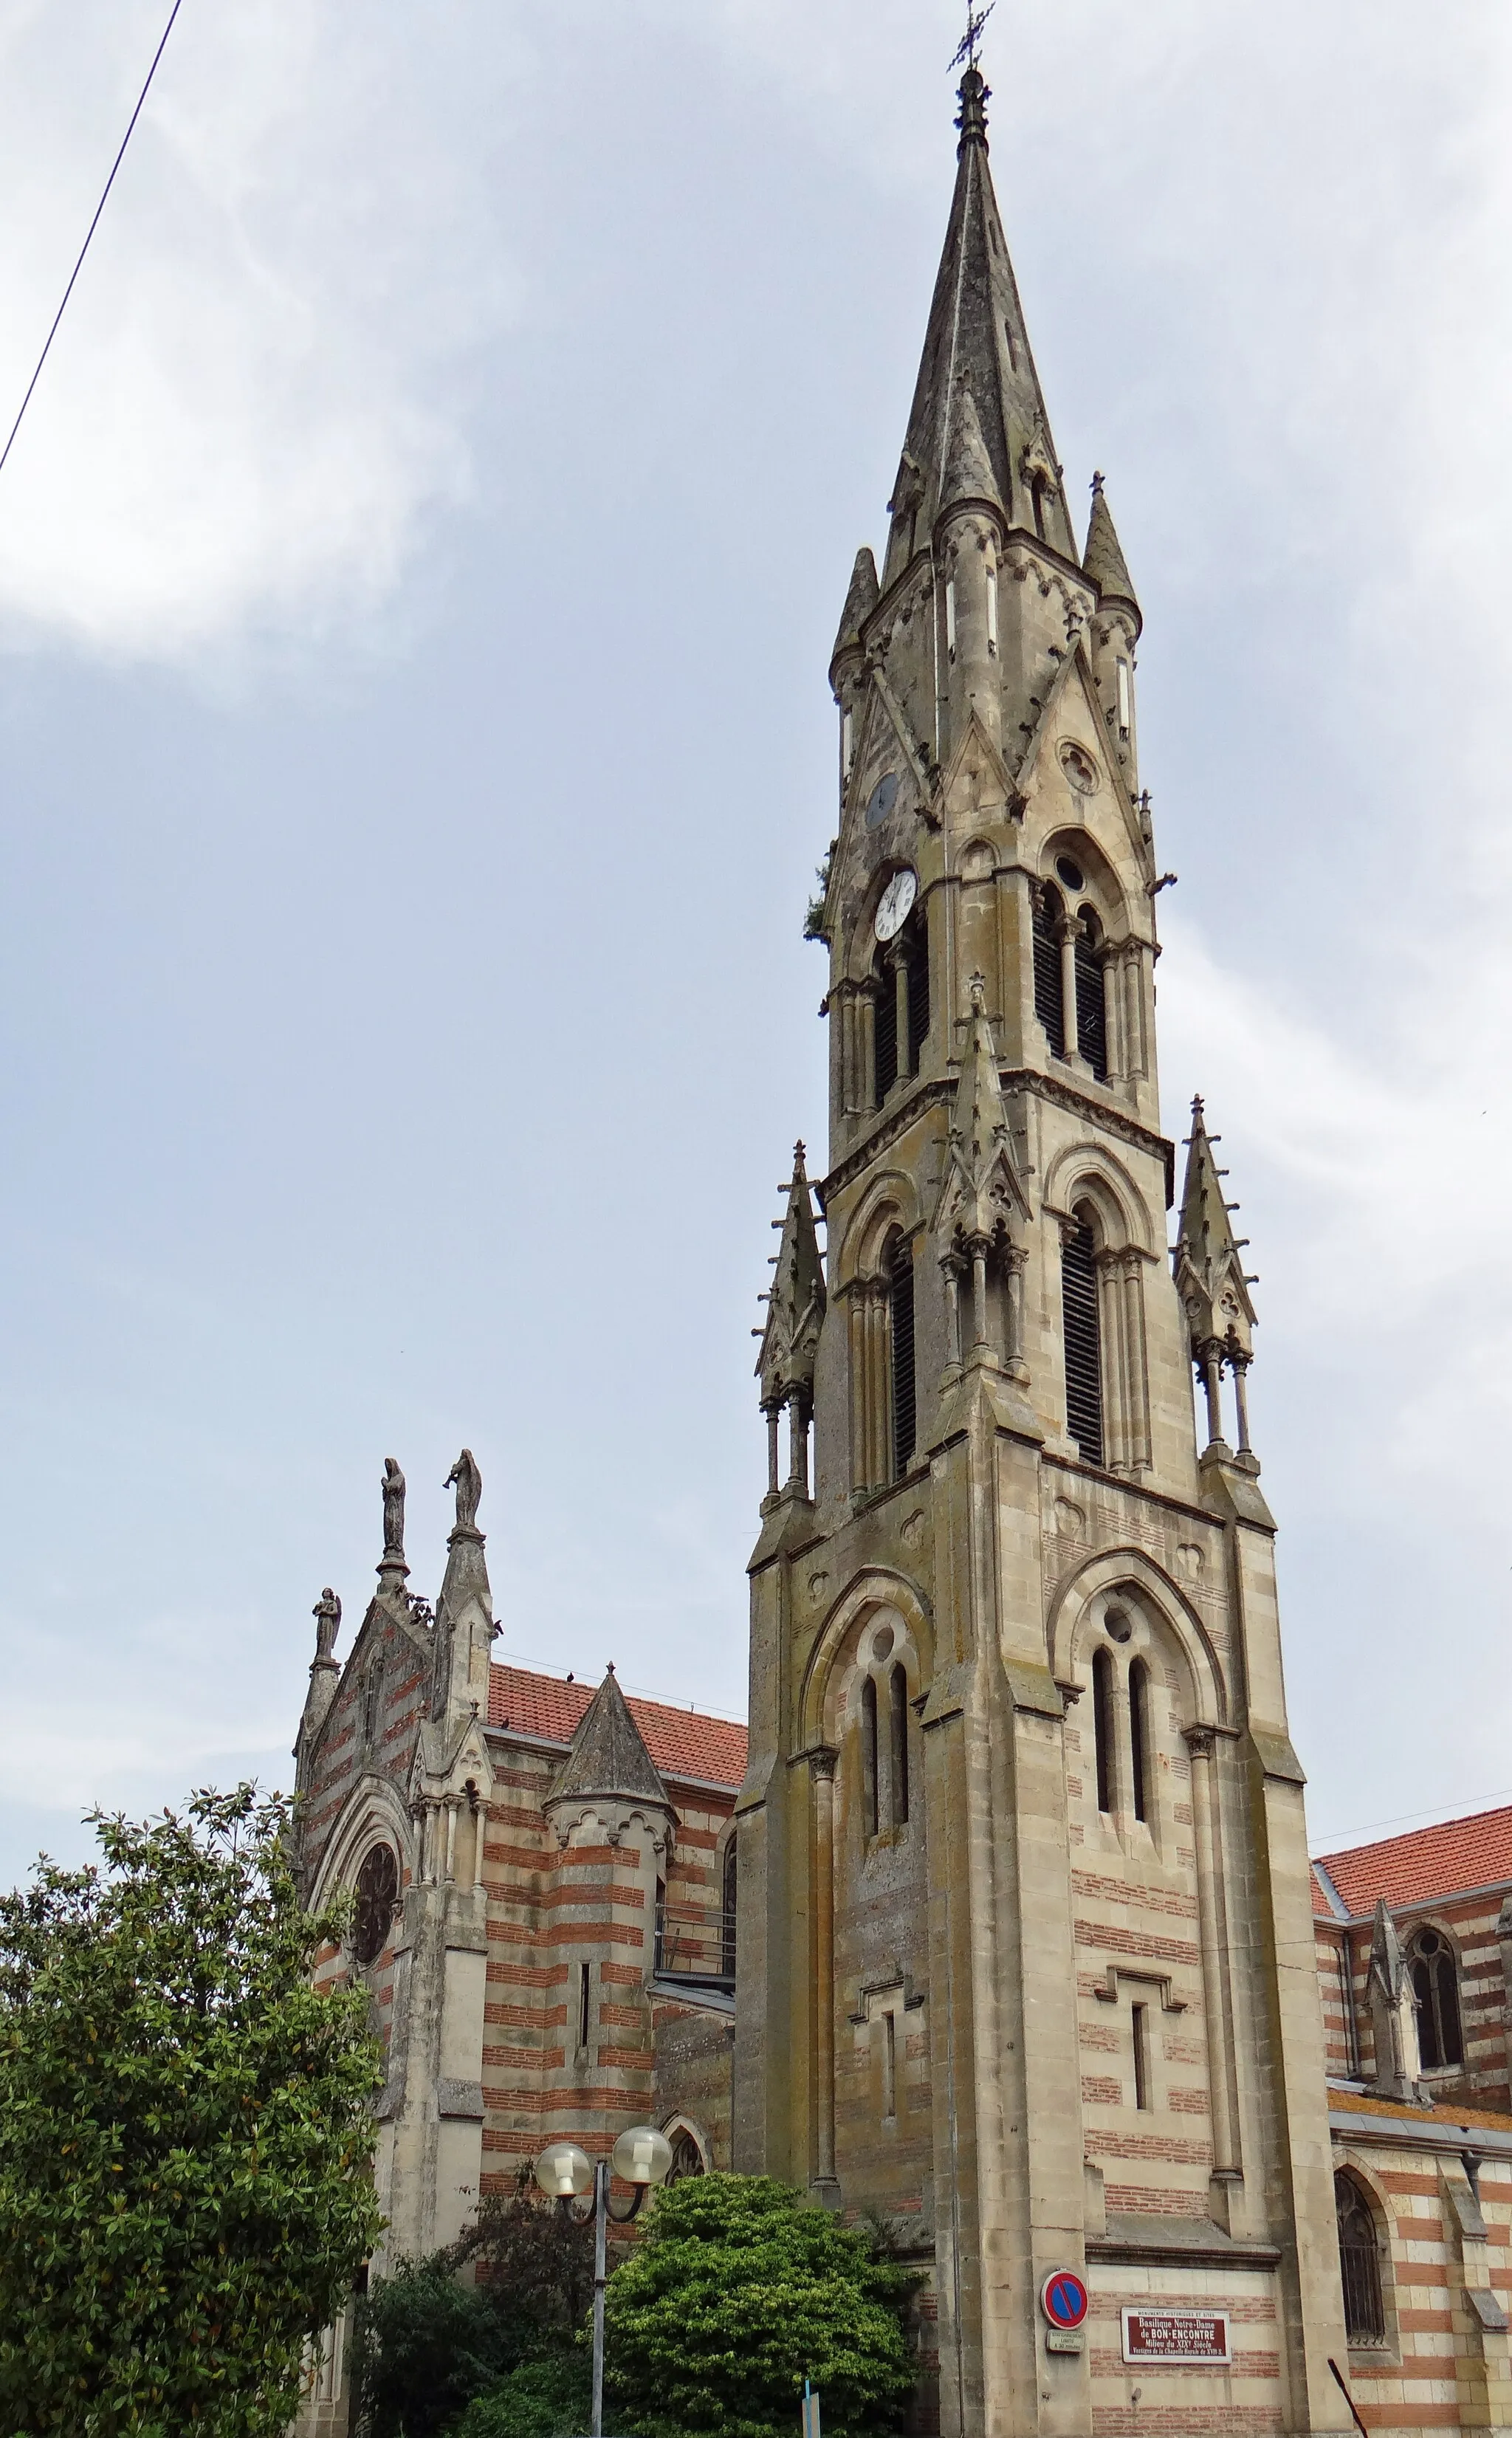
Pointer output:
x,y
1064,2299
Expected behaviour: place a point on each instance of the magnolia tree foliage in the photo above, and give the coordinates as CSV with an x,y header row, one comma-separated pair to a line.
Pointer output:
x,y
739,2291
184,2132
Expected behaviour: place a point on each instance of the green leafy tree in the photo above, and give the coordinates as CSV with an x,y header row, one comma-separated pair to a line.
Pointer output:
x,y
740,2291
426,2343
186,2131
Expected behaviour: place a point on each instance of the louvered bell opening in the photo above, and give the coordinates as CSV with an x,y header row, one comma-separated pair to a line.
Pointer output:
x,y
1091,1007
1083,1349
1050,996
887,1035
900,1300
918,996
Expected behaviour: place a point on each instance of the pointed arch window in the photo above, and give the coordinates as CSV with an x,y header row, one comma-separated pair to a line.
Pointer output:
x,y
917,986
1091,996
1083,1335
900,1354
885,1032
729,1889
1436,1999
1050,987
870,1818
1102,1725
1365,2316
376,1895
898,1722
1139,1737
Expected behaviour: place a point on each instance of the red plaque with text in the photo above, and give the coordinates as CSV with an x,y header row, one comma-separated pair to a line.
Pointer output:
x,y
1154,2336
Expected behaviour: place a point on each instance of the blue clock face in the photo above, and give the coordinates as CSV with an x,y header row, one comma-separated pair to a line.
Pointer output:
x,y
881,801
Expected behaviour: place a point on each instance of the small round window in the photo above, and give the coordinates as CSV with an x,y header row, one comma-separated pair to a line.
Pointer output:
x,y
377,1892
1071,872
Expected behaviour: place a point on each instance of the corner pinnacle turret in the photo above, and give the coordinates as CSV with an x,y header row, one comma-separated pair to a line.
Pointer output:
x,y
1212,1283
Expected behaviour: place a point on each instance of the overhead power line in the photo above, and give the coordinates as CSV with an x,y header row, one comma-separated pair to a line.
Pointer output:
x,y
93,226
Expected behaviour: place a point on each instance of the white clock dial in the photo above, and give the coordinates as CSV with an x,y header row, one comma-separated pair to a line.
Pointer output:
x,y
897,904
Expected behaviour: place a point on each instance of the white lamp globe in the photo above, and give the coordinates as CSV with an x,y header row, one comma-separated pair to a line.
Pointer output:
x,y
643,2156
564,2171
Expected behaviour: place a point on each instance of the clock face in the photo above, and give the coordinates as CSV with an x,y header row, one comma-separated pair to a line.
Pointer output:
x,y
897,904
881,801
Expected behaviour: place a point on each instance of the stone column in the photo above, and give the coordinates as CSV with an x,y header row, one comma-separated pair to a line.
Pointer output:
x,y
1015,1261
821,1865
898,961
1135,1359
1222,2097
865,1093
951,1271
1066,931
1114,1363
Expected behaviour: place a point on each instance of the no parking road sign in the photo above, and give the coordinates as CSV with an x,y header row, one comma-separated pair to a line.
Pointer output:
x,y
1064,2302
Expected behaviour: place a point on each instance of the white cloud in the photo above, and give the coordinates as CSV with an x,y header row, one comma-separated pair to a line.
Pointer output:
x,y
252,401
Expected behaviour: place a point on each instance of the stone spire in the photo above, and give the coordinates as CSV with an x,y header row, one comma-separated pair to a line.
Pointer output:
x,y
1211,1279
1393,2015
1103,558
860,601
796,1309
609,1759
976,348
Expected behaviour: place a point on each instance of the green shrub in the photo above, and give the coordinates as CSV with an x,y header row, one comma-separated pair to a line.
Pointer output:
x,y
549,2398
740,2290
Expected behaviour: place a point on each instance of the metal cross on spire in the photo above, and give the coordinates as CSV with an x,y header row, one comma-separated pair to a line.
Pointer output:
x,y
970,41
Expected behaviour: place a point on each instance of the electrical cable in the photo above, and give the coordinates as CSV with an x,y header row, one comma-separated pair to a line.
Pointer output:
x,y
93,226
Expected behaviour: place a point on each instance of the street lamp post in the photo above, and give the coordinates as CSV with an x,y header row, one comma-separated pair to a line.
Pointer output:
x,y
640,2158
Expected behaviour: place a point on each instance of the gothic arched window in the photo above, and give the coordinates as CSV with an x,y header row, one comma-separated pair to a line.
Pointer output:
x,y
687,2159
376,1893
1365,2317
899,1346
729,1890
885,1028
1049,989
869,1755
1091,1001
918,938
898,1722
1102,1725
1082,1337
1139,1737
1436,1999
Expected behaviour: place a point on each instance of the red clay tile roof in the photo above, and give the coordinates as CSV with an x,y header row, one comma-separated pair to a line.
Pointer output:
x,y
1364,2103
1471,1853
683,1744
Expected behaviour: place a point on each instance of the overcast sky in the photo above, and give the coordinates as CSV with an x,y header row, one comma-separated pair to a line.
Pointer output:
x,y
417,575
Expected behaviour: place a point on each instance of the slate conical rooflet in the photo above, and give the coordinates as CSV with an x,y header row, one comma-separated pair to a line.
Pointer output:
x,y
977,343
859,602
1103,558
608,1757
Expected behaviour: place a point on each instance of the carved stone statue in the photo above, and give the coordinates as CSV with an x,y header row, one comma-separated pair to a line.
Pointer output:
x,y
392,1509
467,1482
327,1615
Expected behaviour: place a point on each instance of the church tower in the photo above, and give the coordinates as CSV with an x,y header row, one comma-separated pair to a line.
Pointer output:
x,y
1025,1960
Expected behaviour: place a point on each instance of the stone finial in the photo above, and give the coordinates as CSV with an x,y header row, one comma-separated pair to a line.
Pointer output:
x,y
467,1480
973,93
327,1615
1211,1279
1393,2015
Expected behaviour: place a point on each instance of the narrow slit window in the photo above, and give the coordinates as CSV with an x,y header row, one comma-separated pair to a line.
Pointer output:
x,y
869,1755
886,1033
918,993
1141,2054
900,1303
889,2064
585,2004
1124,697
1102,1726
1091,996
992,608
1049,989
730,1892
658,1930
950,616
1082,1337
900,1747
1139,1737
847,733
